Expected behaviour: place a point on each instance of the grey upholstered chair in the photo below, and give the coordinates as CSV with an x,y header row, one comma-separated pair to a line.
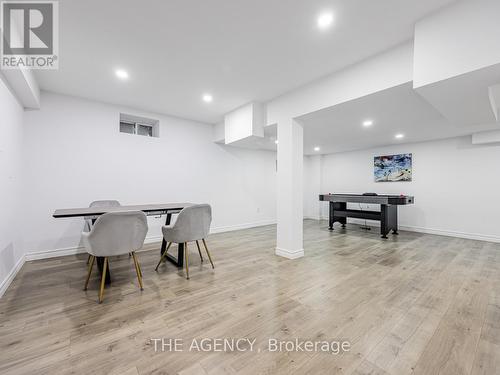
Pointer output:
x,y
193,224
115,233
103,203
88,219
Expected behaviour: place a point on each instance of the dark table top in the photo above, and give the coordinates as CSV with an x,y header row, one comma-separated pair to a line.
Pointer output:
x,y
96,211
361,195
376,199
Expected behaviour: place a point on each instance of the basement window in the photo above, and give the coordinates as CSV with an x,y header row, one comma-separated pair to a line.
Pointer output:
x,y
126,127
137,125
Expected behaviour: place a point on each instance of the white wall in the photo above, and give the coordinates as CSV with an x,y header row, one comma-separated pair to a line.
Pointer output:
x,y
244,122
312,186
455,185
459,39
11,132
76,155
388,69
22,81
290,196
238,124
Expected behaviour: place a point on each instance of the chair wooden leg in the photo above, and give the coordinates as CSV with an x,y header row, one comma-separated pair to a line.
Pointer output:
x,y
186,256
103,278
163,256
208,253
138,270
88,259
91,264
199,250
138,266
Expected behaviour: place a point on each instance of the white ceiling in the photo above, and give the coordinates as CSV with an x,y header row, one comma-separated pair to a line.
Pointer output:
x,y
238,50
267,142
467,99
397,110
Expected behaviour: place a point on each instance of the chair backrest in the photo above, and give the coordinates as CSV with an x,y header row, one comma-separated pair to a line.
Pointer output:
x,y
116,233
102,203
105,203
193,223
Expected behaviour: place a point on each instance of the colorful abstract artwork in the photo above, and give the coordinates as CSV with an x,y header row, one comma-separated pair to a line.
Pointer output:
x,y
393,168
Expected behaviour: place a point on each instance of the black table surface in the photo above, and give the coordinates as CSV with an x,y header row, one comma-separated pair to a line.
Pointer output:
x,y
362,195
375,199
95,211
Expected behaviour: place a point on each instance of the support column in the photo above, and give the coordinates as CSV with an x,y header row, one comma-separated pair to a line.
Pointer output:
x,y
289,242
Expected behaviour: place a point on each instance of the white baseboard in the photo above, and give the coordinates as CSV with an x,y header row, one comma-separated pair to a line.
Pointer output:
x,y
448,233
289,254
46,254
311,217
230,228
10,277
153,239
53,253
437,232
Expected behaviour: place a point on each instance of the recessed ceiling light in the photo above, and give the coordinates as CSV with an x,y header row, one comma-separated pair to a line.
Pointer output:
x,y
399,136
207,98
122,74
325,20
316,148
367,123
276,142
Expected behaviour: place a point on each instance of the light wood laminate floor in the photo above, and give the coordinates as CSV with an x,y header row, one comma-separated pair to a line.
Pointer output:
x,y
415,303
